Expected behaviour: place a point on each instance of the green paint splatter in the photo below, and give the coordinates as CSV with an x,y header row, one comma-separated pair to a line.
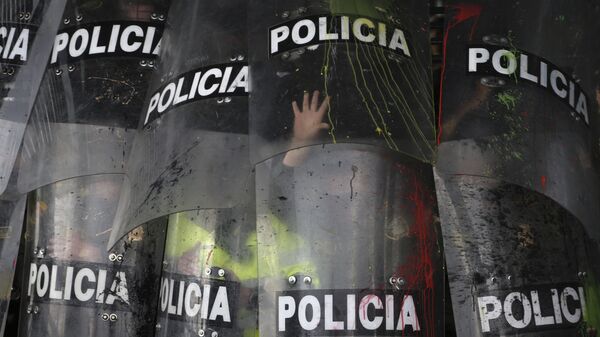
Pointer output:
x,y
508,98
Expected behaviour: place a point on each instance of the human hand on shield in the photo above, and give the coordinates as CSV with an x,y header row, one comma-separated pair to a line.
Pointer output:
x,y
308,123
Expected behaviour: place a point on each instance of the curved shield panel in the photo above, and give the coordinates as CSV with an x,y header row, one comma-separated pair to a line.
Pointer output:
x,y
72,286
348,244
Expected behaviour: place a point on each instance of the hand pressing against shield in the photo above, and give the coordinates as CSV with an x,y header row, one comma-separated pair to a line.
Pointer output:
x,y
308,124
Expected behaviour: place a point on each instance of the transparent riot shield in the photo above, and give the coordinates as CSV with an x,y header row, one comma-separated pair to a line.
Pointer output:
x,y
525,114
342,131
351,247
27,29
518,165
71,286
189,169
94,86
370,57
518,262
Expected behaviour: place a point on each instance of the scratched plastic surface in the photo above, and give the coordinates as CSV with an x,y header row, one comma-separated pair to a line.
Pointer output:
x,y
502,238
89,101
70,282
518,189
29,27
214,252
520,131
194,155
377,96
355,220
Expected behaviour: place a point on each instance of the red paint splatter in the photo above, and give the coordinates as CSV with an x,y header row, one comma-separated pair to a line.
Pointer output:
x,y
419,271
543,182
463,13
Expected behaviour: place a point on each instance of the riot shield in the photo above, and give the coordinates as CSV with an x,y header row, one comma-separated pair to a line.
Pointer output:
x,y
342,131
518,262
93,88
525,114
350,247
518,167
27,29
189,169
71,287
71,164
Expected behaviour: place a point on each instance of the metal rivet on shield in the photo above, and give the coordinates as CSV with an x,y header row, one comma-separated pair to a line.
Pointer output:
x,y
20,15
233,58
300,51
401,282
219,100
214,334
285,15
150,63
29,310
10,71
302,10
307,280
79,17
201,333
35,251
221,272
493,279
161,17
113,317
71,67
393,280
58,71
292,279
509,277
154,16
207,271
27,16
67,21
104,317
41,253
158,326
143,63
240,57
227,99
285,55
36,309
112,257
120,258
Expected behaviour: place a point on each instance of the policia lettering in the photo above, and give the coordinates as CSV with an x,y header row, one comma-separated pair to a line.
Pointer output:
x,y
82,284
209,82
531,68
209,301
537,309
108,39
14,44
359,311
319,29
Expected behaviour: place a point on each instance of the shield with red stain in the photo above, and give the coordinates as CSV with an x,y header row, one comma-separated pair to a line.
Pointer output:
x,y
518,167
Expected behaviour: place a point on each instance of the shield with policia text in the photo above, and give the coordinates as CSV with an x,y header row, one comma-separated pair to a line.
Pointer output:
x,y
342,135
27,29
71,166
189,170
518,165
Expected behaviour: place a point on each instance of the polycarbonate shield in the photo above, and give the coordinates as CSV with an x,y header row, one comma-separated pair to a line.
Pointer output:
x,y
191,151
348,244
520,98
519,264
27,29
72,286
209,281
370,57
93,89
11,222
